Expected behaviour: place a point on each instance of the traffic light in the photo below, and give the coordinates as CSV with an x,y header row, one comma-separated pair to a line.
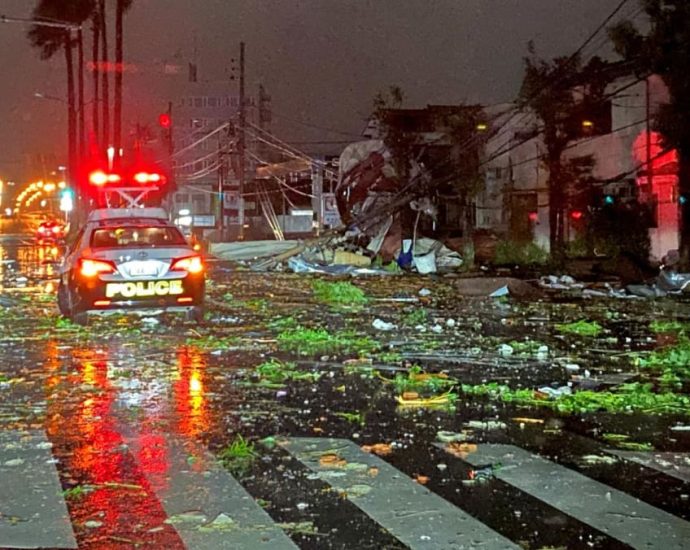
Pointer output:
x,y
165,120
683,199
609,200
576,214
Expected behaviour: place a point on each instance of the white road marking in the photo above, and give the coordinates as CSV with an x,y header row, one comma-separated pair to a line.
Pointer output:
x,y
33,513
409,511
613,512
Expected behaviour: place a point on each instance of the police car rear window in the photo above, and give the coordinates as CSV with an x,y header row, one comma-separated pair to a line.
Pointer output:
x,y
136,236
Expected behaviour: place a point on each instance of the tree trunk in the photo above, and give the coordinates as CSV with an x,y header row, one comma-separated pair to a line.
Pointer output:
x,y
684,190
556,211
80,112
71,114
95,113
119,70
105,96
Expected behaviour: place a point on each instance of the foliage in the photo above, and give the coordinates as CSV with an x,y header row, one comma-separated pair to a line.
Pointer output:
x,y
238,456
76,492
628,398
353,417
314,341
282,323
665,51
49,40
212,342
512,253
389,357
581,328
417,316
277,372
620,229
547,89
339,293
672,362
416,380
668,326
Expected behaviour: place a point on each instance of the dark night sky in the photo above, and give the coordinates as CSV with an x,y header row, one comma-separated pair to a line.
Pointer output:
x,y
321,60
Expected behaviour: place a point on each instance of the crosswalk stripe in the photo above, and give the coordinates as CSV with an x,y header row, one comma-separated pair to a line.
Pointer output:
x,y
33,513
207,506
611,511
409,511
672,464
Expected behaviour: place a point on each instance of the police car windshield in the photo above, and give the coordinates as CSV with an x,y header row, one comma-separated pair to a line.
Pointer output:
x,y
136,236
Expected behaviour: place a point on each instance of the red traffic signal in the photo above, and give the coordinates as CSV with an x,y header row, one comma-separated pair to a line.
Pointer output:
x,y
165,120
576,214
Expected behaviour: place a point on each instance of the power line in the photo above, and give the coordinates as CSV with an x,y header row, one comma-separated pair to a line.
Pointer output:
x,y
310,125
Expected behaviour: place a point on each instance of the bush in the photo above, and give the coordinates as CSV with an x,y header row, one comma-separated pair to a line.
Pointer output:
x,y
512,253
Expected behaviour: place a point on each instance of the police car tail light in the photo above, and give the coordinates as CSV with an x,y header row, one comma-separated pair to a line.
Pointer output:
x,y
91,268
192,264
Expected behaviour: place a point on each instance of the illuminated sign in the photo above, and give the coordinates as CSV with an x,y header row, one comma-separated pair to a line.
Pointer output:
x,y
142,289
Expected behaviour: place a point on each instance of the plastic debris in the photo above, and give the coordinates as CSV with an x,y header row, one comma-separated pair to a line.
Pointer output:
x,y
448,437
380,324
555,393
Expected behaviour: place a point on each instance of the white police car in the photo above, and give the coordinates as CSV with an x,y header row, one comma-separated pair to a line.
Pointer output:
x,y
130,259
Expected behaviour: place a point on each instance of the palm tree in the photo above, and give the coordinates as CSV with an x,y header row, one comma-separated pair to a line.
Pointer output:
x,y
49,41
95,54
105,91
120,9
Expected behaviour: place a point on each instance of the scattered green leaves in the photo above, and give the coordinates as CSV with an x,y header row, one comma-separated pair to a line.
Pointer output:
x,y
416,380
634,397
276,372
581,328
354,417
314,341
339,293
238,456
417,316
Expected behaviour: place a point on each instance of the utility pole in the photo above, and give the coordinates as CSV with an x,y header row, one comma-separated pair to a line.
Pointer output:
x,y
221,191
241,147
317,192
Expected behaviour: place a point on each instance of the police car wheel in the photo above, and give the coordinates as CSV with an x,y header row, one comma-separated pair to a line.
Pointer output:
x,y
81,318
63,300
195,314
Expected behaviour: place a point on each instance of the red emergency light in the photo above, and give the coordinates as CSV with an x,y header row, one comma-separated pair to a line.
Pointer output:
x,y
99,178
148,177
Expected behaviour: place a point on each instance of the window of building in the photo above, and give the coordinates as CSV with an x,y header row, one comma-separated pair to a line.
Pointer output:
x,y
182,198
212,102
198,102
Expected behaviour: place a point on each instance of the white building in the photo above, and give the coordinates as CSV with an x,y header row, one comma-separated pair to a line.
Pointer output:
x,y
515,200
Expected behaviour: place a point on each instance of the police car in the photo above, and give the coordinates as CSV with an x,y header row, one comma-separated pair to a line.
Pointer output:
x,y
130,259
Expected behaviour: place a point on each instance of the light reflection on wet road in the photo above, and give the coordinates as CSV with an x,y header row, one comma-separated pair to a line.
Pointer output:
x,y
132,410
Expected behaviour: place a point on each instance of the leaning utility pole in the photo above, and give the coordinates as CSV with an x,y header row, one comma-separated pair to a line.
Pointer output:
x,y
241,147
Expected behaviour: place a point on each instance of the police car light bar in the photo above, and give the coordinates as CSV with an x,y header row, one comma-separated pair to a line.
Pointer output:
x,y
100,178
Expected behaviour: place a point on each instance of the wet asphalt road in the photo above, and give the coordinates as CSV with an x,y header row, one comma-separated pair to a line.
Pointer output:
x,y
120,435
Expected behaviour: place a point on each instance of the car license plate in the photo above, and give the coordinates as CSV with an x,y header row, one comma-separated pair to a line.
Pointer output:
x,y
142,269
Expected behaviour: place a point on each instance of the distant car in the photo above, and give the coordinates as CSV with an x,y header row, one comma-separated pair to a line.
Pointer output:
x,y
130,260
50,231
